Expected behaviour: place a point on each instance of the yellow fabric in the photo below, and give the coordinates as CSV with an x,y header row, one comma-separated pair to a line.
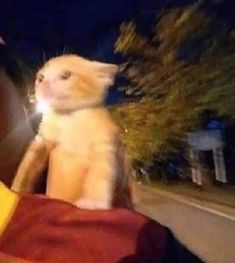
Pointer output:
x,y
8,203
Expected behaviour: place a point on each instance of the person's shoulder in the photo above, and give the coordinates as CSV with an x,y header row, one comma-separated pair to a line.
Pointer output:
x,y
157,238
147,227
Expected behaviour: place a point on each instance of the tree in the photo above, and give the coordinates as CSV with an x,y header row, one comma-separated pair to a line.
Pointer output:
x,y
185,68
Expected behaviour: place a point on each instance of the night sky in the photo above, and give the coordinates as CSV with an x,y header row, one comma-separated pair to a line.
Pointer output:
x,y
34,29
38,30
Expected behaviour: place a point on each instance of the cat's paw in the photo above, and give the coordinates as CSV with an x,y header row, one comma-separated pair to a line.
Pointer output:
x,y
86,203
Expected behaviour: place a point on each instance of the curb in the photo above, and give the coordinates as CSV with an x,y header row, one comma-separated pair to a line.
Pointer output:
x,y
216,209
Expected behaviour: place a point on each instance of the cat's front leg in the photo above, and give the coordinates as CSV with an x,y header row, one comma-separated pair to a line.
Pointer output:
x,y
33,163
98,191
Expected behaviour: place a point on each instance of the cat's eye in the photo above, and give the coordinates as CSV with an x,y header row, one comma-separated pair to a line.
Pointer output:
x,y
39,78
65,75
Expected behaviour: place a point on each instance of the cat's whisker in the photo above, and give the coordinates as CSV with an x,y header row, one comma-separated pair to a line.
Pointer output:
x,y
44,57
65,50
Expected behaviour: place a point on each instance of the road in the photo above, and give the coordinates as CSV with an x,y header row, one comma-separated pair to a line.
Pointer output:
x,y
210,236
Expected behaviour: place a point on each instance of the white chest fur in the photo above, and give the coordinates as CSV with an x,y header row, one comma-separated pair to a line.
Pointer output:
x,y
72,133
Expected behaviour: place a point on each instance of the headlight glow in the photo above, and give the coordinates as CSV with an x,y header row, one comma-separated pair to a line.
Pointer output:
x,y
42,106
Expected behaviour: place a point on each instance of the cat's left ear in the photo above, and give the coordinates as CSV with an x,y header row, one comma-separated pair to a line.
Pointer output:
x,y
105,72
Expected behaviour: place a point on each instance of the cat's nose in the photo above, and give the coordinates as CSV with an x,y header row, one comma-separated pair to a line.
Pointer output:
x,y
45,88
45,84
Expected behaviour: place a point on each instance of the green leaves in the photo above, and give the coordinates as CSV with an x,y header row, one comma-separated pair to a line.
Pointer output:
x,y
176,92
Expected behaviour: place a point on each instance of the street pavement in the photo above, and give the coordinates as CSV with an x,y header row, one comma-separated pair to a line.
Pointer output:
x,y
210,236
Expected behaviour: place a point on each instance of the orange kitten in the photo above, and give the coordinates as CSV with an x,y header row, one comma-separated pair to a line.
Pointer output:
x,y
87,161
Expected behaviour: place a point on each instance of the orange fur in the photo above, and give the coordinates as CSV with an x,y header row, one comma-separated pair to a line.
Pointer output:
x,y
80,140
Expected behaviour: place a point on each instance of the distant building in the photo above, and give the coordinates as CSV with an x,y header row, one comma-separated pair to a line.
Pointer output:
x,y
207,140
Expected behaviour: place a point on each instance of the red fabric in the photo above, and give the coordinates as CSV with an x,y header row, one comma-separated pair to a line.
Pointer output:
x,y
6,258
53,231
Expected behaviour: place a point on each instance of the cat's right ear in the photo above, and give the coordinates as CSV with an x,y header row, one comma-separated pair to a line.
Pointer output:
x,y
105,72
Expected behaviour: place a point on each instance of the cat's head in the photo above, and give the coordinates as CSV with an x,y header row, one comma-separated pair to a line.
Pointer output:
x,y
70,82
